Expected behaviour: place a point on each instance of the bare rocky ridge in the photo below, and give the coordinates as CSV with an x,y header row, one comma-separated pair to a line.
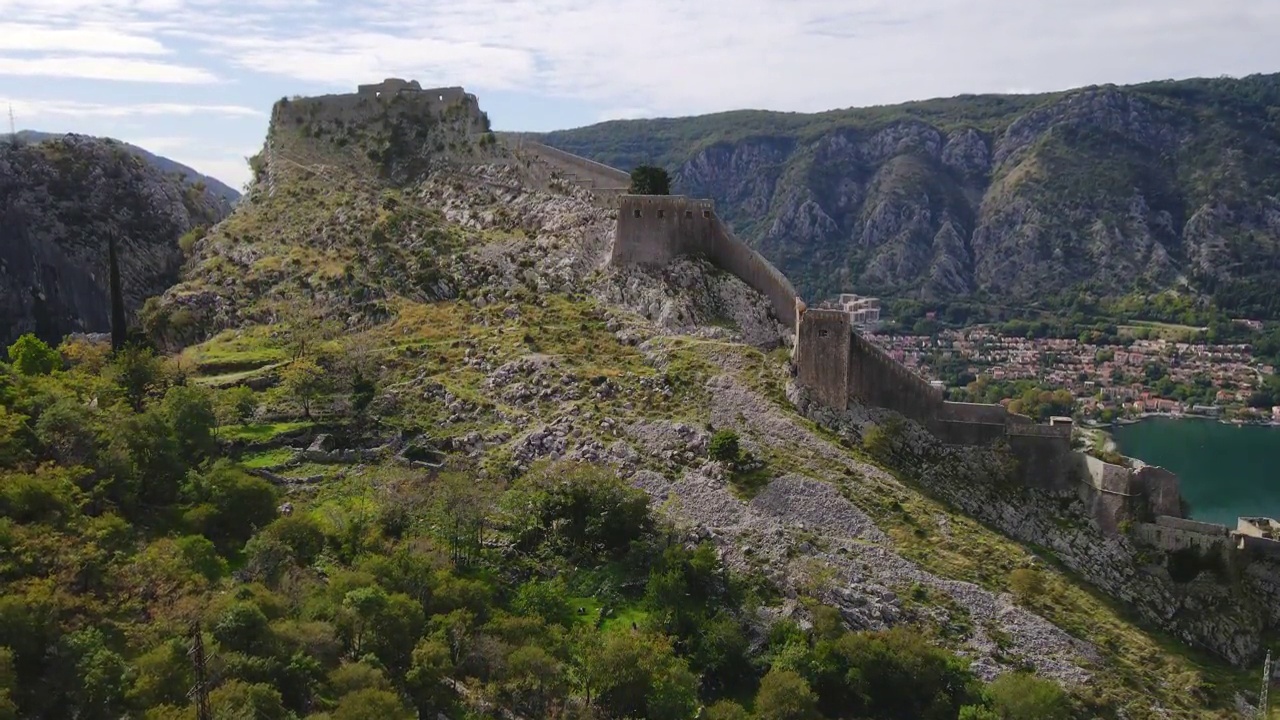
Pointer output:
x,y
1107,189
59,202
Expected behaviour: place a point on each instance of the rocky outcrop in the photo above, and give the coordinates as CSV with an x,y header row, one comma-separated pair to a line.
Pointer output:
x,y
1224,615
60,202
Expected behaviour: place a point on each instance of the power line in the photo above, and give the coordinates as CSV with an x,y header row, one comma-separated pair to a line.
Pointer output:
x,y
201,689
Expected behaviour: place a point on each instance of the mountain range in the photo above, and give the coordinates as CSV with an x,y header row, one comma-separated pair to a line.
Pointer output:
x,y
1029,200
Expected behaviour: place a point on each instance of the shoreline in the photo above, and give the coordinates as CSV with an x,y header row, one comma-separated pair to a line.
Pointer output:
x,y
1171,416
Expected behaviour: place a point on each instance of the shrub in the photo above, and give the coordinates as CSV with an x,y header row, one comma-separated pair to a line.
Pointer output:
x,y
32,356
724,447
1027,585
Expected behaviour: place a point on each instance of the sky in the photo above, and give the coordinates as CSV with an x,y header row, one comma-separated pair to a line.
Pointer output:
x,y
194,80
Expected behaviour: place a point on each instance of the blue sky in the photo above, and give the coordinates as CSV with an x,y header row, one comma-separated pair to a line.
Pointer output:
x,y
195,79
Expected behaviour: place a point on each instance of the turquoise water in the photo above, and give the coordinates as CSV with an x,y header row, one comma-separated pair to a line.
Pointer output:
x,y
1226,471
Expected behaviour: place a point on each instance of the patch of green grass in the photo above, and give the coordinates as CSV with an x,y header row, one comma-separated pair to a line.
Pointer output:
x,y
267,459
234,351
258,432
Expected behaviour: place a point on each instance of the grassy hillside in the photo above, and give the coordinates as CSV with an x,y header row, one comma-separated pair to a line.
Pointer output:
x,y
535,497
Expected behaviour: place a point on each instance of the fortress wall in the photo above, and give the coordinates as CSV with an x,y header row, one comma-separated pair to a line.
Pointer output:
x,y
738,258
1193,526
1062,432
822,354
974,413
1173,539
1161,489
878,380
1258,546
588,171
1045,461
1108,478
654,229
973,434
359,107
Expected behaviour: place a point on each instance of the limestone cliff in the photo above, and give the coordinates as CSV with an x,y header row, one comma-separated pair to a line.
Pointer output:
x,y
1107,189
60,201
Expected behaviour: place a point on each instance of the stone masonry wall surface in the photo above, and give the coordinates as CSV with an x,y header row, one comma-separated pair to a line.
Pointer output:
x,y
879,380
1194,526
1046,462
974,412
1173,539
595,174
1107,477
822,355
654,229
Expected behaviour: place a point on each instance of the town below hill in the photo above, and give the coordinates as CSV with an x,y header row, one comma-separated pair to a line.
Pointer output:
x,y
1094,381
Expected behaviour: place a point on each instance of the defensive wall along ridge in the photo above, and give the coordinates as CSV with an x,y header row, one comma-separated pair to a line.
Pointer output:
x,y
839,366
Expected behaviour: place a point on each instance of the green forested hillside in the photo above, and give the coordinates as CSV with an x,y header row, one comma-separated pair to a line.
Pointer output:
x,y
1107,191
402,447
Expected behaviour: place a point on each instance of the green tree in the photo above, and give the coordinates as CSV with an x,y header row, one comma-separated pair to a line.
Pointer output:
x,y
784,695
363,390
65,429
587,510
189,410
1027,585
32,356
95,676
639,675
724,447
547,600
650,180
229,504
726,710
236,405
13,445
372,705
431,664
533,680
137,371
241,627
238,700
8,683
305,381
893,675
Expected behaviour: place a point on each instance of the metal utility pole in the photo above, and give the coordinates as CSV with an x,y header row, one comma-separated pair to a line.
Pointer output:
x,y
200,691
1266,687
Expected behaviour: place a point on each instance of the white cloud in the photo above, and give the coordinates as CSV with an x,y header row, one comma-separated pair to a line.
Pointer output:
x,y
89,39
71,108
93,67
674,57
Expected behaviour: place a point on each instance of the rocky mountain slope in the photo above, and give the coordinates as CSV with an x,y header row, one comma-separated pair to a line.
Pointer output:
x,y
1010,199
60,200
473,291
170,167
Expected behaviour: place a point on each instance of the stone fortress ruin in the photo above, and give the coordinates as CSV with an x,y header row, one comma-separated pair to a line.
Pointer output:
x,y
833,362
